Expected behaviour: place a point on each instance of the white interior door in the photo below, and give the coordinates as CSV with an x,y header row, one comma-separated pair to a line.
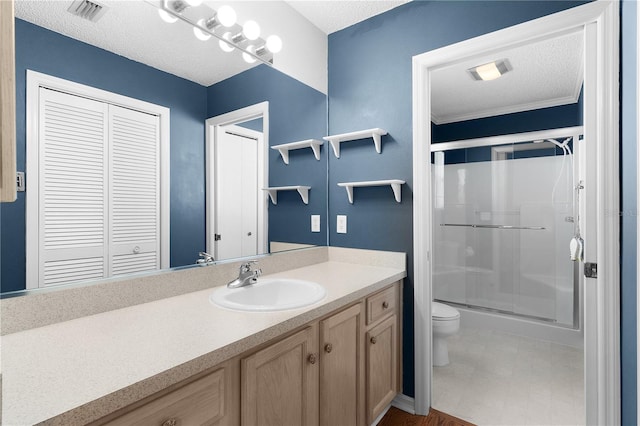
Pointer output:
x,y
237,192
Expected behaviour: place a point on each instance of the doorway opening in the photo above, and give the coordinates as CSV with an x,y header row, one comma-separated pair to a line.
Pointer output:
x,y
599,22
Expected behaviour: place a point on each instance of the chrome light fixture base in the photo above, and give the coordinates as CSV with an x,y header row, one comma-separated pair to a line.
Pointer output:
x,y
256,49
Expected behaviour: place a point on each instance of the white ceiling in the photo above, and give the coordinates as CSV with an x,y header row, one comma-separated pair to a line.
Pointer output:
x,y
334,15
545,74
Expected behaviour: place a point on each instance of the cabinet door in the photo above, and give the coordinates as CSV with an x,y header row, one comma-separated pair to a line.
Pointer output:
x,y
7,103
382,366
206,401
340,368
280,382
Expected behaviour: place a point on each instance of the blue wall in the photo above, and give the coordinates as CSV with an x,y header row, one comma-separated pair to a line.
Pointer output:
x,y
629,208
370,86
48,52
296,112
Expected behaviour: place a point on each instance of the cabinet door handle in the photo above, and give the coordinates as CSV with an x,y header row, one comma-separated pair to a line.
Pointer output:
x,y
385,304
171,422
328,348
373,340
312,358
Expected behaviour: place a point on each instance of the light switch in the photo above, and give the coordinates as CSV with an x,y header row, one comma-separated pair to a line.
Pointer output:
x,y
315,223
341,224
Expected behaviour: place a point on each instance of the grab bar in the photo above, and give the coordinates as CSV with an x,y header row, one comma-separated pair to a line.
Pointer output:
x,y
533,228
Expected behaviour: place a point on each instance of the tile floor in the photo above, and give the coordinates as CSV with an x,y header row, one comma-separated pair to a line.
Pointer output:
x,y
497,378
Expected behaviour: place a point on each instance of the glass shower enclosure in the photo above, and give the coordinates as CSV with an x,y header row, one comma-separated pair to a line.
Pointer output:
x,y
505,211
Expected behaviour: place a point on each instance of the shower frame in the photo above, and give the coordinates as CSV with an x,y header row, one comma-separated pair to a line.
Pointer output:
x,y
575,132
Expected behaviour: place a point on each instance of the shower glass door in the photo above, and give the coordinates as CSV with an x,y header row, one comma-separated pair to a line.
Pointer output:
x,y
503,220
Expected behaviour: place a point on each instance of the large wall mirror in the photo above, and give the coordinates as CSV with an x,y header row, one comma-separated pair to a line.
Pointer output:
x,y
131,53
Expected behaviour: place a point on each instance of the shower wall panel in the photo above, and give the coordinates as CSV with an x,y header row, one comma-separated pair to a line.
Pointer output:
x,y
478,262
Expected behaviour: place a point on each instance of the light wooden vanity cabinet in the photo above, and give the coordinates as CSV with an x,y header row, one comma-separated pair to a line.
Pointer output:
x,y
382,351
312,377
280,382
7,103
342,369
209,400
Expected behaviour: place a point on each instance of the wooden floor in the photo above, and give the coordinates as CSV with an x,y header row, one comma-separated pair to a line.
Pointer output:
x,y
396,417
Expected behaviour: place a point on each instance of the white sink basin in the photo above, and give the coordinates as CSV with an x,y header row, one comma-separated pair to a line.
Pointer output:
x,y
276,294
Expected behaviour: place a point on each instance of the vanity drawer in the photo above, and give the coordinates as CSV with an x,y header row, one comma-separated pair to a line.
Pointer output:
x,y
381,304
199,403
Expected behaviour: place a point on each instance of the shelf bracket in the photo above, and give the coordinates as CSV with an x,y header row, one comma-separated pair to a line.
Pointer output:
x,y
302,190
284,149
376,134
394,183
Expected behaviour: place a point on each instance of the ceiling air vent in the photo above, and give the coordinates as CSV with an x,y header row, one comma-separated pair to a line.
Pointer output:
x,y
88,10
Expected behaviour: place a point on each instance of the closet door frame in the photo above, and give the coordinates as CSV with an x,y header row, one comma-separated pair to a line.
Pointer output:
x,y
35,81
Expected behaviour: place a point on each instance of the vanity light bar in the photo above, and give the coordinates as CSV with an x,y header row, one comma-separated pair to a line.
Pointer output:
x,y
257,49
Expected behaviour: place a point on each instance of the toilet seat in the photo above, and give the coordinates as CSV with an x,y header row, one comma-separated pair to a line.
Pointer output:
x,y
442,312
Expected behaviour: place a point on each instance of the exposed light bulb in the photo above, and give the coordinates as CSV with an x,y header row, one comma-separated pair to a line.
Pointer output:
x,y
227,16
226,47
201,35
251,30
193,3
166,17
274,44
248,58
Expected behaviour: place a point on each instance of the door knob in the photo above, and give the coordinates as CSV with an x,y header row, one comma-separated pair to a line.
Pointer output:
x,y
373,340
312,358
328,348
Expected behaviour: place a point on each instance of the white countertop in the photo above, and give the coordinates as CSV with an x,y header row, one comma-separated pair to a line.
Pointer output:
x,y
80,370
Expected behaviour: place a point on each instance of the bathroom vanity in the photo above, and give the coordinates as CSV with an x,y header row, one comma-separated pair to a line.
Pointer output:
x,y
181,360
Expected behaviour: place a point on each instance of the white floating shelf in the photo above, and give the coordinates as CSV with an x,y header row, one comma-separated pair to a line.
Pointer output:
x,y
395,185
284,149
302,190
376,134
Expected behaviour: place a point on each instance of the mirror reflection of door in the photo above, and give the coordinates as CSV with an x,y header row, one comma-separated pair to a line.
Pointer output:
x,y
237,188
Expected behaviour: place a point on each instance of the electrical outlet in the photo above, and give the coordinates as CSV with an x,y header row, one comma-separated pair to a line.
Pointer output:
x,y
341,224
315,223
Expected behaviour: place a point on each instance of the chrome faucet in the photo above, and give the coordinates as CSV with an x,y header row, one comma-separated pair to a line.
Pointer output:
x,y
246,276
205,259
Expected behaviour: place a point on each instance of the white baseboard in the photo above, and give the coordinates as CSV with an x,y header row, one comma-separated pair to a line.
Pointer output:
x,y
377,420
404,403
401,402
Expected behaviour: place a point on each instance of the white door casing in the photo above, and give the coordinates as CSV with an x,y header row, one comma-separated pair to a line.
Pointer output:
x,y
122,107
212,126
600,22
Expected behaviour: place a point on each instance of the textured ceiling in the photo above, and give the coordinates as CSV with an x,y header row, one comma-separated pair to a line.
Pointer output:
x,y
132,29
333,15
546,73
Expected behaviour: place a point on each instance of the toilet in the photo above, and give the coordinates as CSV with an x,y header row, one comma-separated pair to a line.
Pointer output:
x,y
446,322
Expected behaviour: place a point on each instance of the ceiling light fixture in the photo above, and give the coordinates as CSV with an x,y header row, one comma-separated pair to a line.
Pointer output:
x,y
490,71
223,26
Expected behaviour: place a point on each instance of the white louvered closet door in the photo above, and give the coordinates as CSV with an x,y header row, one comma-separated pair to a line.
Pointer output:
x,y
72,189
98,192
135,193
